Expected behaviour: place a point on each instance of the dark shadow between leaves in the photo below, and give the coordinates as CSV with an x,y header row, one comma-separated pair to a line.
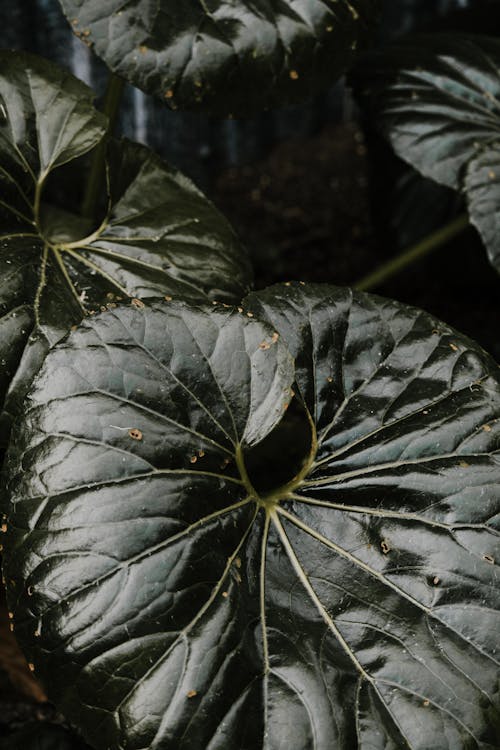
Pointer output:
x,y
279,458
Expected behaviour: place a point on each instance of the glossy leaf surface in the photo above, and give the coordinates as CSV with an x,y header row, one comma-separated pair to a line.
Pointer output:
x,y
46,119
166,604
225,56
437,99
160,235
482,184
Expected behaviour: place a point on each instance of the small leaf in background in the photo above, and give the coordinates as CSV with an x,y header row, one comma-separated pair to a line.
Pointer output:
x,y
437,99
159,237
180,582
227,58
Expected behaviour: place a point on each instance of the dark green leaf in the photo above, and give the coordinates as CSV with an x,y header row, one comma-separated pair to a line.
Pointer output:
x,y
17,278
227,57
160,236
437,99
166,604
482,184
46,119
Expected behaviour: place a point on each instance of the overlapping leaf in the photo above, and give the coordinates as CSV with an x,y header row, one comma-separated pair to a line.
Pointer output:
x,y
160,235
437,99
166,604
229,57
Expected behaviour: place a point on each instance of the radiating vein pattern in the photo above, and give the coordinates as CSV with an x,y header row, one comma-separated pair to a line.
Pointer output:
x,y
169,605
159,237
393,537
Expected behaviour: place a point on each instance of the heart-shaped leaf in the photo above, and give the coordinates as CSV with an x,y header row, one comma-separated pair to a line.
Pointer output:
x,y
172,595
46,120
437,99
160,235
225,57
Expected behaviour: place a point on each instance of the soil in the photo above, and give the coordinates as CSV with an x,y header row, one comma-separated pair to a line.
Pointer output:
x,y
307,212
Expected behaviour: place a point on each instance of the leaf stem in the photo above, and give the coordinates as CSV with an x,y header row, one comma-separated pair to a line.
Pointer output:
x,y
111,108
42,282
16,213
37,203
413,254
68,280
17,235
240,463
97,269
262,576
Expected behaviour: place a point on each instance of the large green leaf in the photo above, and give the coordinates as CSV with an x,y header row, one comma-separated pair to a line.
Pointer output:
x,y
169,602
227,56
437,99
160,235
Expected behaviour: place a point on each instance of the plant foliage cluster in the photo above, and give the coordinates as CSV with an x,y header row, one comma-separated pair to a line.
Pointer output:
x,y
238,519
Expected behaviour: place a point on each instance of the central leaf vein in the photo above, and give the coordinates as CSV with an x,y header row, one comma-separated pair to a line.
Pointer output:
x,y
140,407
215,591
379,576
154,550
186,389
391,465
388,425
311,592
68,280
97,269
364,510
